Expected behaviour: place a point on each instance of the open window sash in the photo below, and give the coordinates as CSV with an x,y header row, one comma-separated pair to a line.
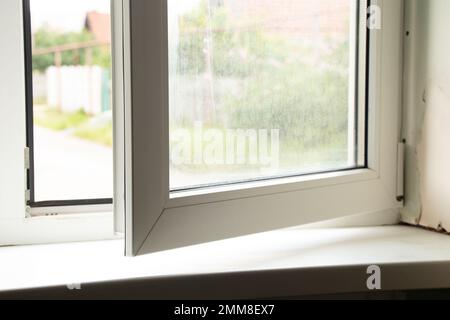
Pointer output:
x,y
158,219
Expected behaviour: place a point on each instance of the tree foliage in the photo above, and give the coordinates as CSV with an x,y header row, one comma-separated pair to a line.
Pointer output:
x,y
279,89
46,37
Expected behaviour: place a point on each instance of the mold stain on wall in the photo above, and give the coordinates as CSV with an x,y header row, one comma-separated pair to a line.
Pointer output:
x,y
434,161
427,114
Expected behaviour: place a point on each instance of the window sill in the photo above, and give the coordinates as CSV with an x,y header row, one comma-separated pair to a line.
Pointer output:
x,y
282,263
60,228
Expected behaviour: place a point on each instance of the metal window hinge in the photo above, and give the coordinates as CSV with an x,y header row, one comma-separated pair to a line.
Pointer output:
x,y
27,167
27,158
401,171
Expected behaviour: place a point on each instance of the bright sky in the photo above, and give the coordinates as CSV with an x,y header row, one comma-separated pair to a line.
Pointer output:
x,y
67,15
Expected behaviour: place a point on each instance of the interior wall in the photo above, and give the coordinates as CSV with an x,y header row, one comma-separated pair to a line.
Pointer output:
x,y
12,113
427,113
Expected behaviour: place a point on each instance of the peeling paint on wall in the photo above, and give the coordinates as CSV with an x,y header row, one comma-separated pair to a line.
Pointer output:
x,y
427,114
434,161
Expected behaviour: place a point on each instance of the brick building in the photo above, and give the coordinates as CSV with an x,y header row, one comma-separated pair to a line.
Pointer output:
x,y
305,18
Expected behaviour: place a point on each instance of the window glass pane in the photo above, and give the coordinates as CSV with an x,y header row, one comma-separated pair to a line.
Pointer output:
x,y
259,89
71,44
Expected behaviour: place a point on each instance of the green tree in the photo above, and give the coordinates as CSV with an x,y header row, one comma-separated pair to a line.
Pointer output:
x,y
45,37
278,87
234,52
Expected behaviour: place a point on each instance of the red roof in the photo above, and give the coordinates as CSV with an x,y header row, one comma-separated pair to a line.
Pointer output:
x,y
303,17
99,24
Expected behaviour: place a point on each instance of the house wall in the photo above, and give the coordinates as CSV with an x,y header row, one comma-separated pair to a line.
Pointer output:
x,y
304,18
427,114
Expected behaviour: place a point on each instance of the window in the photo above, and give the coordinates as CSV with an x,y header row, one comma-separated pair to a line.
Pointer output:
x,y
248,116
229,118
68,204
262,89
69,102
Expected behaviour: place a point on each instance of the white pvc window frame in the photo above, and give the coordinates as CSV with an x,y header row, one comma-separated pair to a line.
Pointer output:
x,y
156,219
19,225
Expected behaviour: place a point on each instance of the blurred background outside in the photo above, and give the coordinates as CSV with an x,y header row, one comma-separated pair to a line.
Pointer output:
x,y
233,64
260,64
72,99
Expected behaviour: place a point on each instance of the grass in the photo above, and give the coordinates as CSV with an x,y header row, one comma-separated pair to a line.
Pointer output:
x,y
57,120
293,155
78,122
99,134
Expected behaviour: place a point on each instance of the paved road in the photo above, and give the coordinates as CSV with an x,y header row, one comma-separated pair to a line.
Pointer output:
x,y
70,168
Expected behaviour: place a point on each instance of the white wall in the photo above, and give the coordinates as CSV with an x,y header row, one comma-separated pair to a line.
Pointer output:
x,y
427,113
12,111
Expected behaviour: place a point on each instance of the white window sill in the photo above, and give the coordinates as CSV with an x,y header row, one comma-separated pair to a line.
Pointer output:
x,y
282,263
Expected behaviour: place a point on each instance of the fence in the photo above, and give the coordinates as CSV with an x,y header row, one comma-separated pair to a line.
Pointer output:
x,y
71,88
39,86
